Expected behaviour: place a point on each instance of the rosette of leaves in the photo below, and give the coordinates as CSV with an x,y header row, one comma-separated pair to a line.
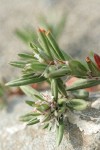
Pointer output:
x,y
49,63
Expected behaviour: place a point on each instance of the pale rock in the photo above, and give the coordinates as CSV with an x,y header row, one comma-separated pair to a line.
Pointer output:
x,y
82,131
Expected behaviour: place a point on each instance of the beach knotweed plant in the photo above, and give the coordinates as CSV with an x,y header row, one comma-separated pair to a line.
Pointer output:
x,y
49,63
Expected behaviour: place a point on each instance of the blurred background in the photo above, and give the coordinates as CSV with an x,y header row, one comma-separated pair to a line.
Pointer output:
x,y
79,34
74,23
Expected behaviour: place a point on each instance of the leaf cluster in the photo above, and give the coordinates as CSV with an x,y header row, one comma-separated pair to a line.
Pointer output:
x,y
49,63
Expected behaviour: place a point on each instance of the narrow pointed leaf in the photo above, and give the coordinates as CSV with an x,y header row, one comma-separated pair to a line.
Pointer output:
x,y
18,64
47,118
45,44
30,103
83,83
58,73
66,56
77,68
38,67
54,89
26,56
32,122
78,104
46,125
33,114
22,82
34,48
93,68
25,118
29,91
60,133
61,87
81,94
55,46
43,107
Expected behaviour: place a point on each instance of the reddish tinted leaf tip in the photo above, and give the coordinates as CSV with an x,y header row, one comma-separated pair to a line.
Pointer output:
x,y
88,60
97,60
48,32
41,30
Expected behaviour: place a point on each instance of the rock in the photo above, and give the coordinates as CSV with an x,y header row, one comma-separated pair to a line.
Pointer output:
x,y
82,130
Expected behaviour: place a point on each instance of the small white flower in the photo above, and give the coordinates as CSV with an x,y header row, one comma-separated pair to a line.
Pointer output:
x,y
41,118
48,96
28,66
38,57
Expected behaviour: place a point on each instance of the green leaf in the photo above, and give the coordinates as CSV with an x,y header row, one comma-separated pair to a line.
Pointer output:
x,y
38,66
78,104
66,56
45,125
33,121
83,83
58,73
26,118
55,46
60,132
30,103
62,109
23,36
29,91
31,114
27,81
40,97
34,48
93,68
62,101
61,87
40,52
26,35
28,75
77,68
18,64
26,56
80,94
59,28
43,107
54,89
2,90
45,44
47,118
